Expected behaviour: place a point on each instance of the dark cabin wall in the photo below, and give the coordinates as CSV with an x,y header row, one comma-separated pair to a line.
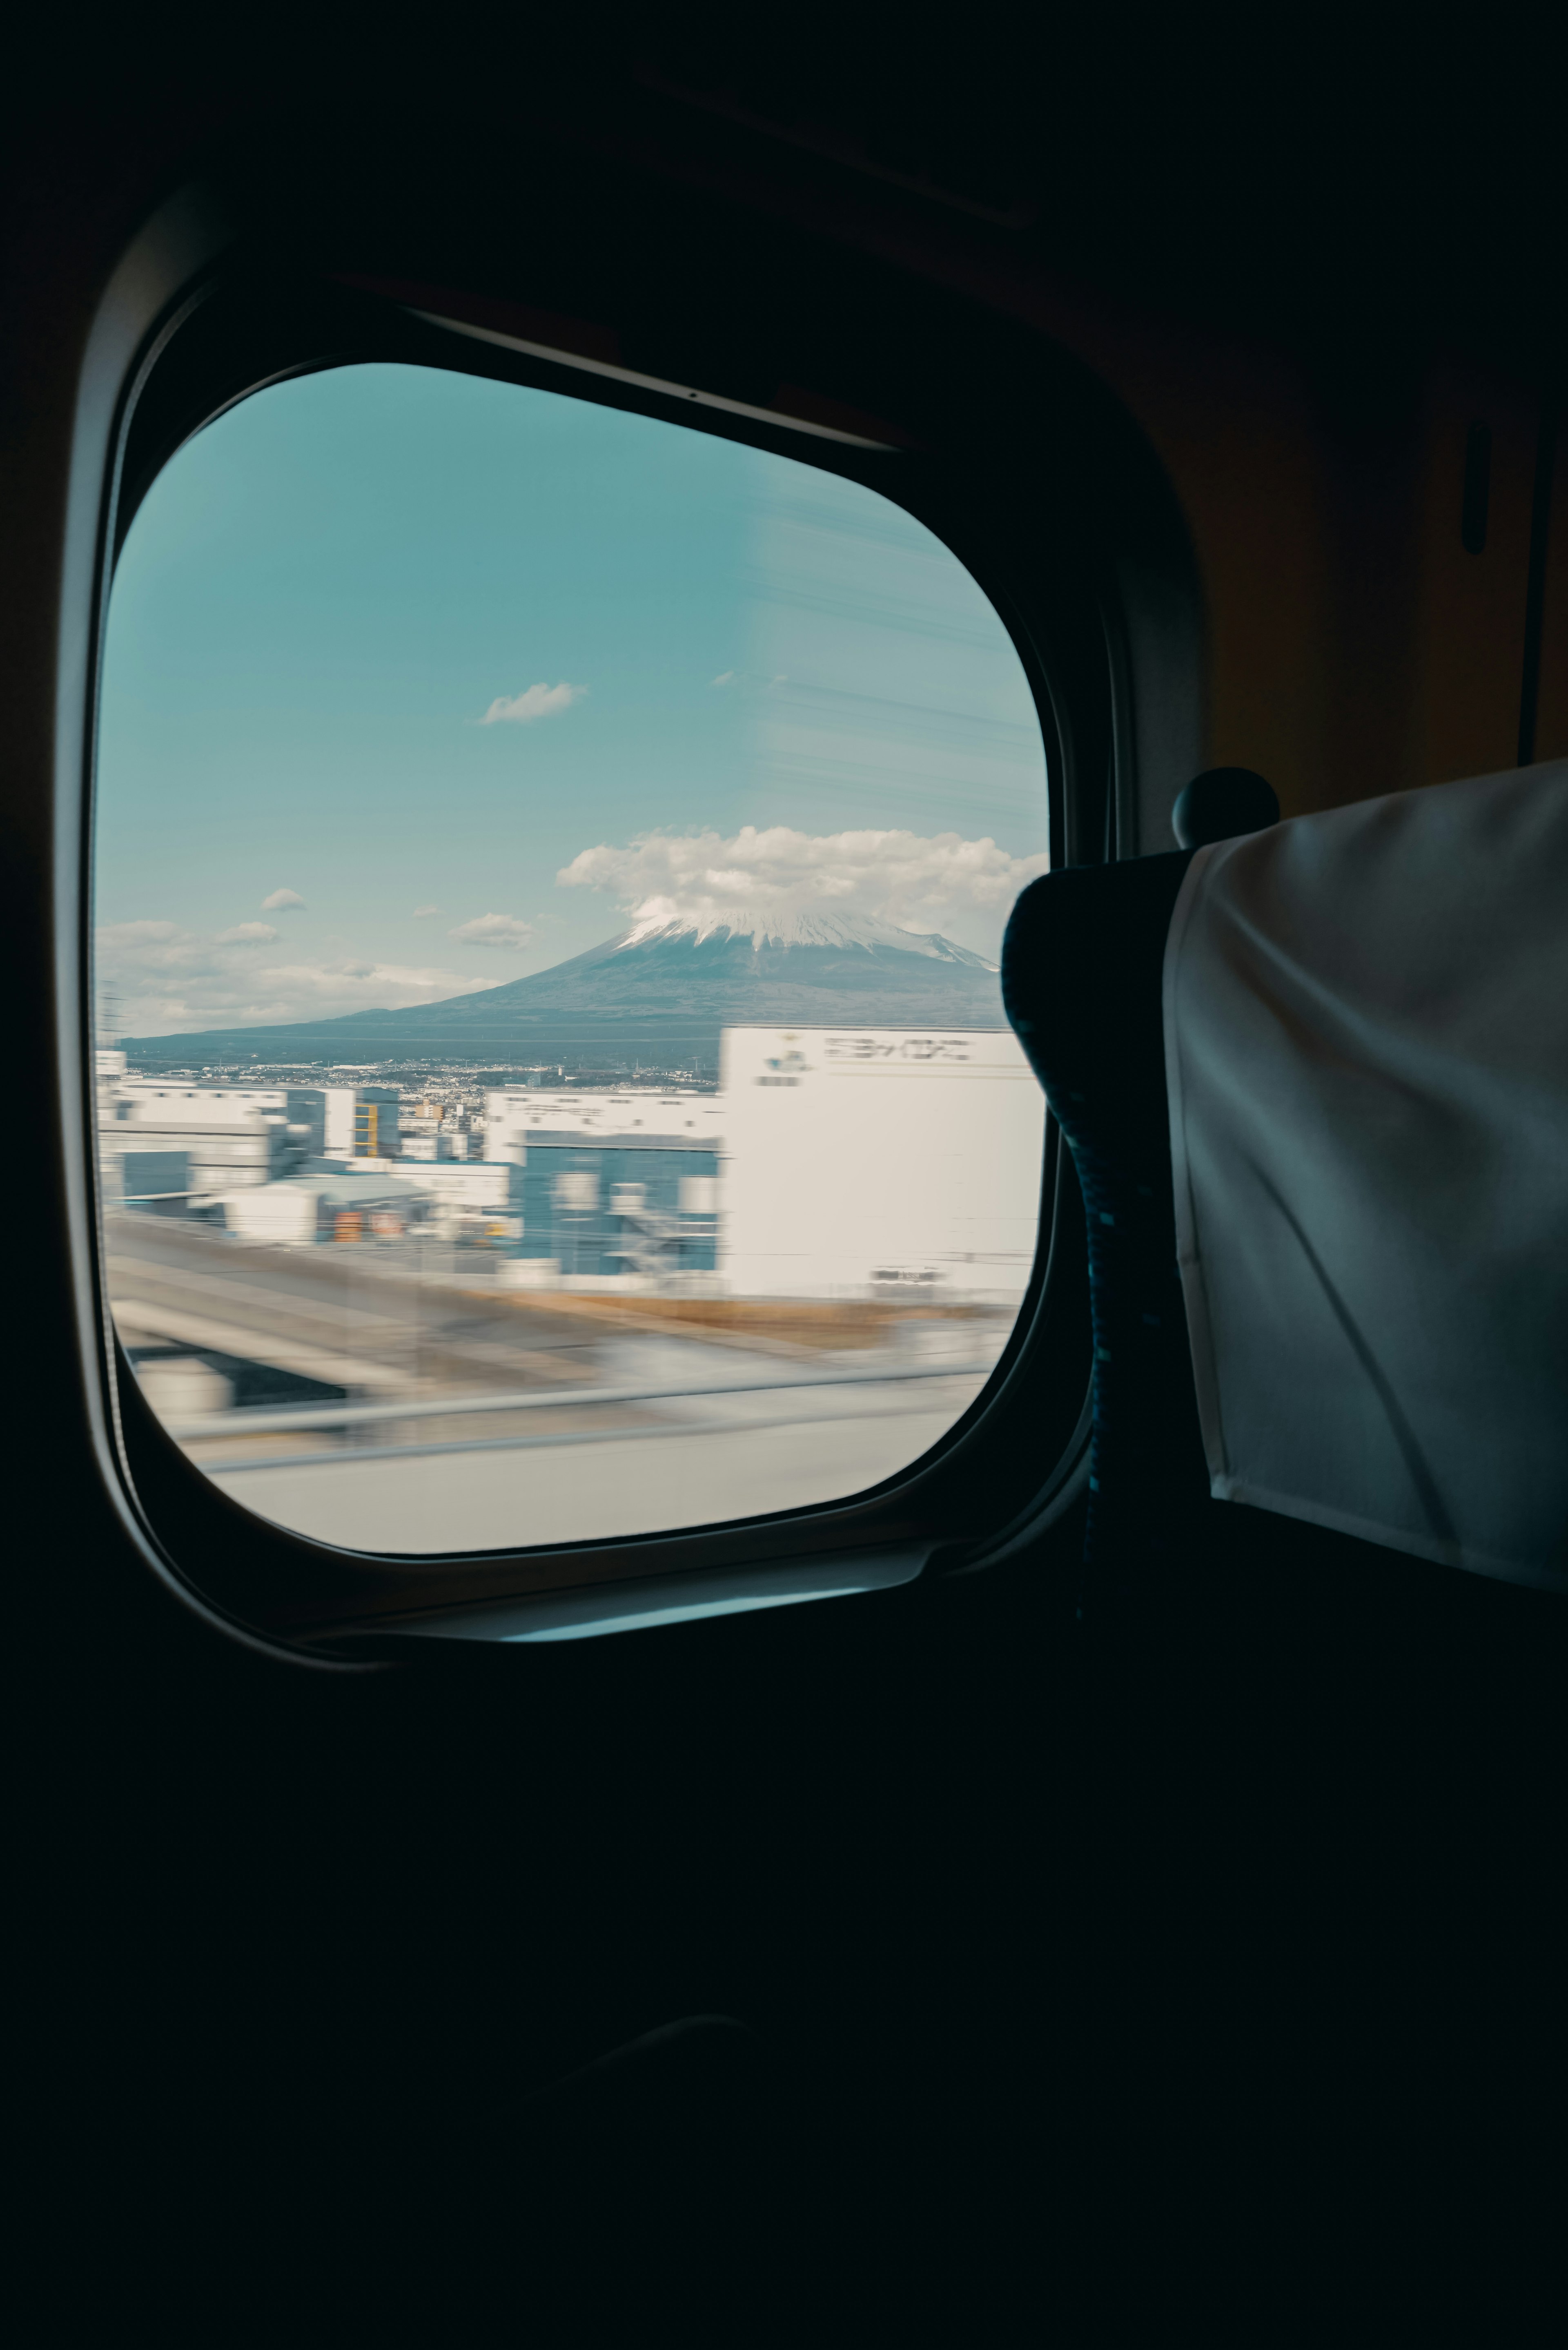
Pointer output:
x,y
1353,646
1191,1966
1552,726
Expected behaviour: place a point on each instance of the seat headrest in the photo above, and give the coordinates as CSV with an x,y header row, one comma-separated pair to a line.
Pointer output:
x,y
1221,803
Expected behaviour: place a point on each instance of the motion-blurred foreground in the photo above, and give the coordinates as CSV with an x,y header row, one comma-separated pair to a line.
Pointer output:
x,y
417,1326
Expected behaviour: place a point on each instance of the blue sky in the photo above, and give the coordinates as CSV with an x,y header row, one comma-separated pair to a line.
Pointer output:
x,y
395,649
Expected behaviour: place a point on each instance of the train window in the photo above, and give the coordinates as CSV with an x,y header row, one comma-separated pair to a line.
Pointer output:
x,y
549,870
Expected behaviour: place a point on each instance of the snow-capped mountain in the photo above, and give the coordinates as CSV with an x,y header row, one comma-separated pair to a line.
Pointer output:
x,y
808,926
659,993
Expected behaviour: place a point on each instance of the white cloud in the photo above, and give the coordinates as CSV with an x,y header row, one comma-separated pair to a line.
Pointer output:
x,y
941,882
535,701
494,930
421,911
170,979
725,677
283,901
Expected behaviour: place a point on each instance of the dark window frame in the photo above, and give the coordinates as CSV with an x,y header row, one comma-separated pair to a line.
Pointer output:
x,y
1120,582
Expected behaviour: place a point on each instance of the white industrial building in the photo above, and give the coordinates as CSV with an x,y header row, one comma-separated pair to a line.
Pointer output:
x,y
459,1193
311,1207
514,1112
373,1198
879,1162
238,1137
233,1136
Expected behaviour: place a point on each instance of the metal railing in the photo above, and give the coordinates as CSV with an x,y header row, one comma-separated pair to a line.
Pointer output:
x,y
259,1418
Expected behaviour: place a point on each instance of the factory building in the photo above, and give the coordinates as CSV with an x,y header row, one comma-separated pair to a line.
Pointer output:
x,y
232,1136
364,1206
238,1137
640,1209
879,1162
381,1199
155,1181
516,1115
619,1186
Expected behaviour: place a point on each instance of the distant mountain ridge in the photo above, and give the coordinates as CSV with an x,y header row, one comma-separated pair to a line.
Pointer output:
x,y
658,993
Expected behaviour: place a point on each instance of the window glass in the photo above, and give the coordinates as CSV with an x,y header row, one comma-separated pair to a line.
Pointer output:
x,y
550,866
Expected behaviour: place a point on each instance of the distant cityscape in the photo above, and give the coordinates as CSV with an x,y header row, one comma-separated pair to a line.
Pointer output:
x,y
388,1302
562,1181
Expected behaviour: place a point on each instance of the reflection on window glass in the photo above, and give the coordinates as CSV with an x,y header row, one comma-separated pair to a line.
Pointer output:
x,y
550,866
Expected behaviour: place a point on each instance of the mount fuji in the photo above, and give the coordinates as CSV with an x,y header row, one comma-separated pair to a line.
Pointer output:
x,y
656,994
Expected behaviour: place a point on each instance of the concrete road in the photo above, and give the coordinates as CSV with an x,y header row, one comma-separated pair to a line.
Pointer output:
x,y
787,1451
581,1430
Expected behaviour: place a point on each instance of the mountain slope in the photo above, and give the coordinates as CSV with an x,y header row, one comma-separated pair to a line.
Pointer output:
x,y
658,993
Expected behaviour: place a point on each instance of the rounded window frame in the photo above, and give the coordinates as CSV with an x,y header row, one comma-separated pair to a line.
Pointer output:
x,y
242,328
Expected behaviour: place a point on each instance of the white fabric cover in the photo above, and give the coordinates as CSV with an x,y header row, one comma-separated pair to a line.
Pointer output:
x,y
1366,1045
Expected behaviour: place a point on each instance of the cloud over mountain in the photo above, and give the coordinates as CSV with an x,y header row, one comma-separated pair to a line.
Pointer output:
x,y
907,879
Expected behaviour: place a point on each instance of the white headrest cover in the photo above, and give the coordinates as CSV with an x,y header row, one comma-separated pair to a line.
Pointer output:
x,y
1367,1048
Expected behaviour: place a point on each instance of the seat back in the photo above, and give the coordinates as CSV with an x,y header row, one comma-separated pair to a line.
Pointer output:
x,y
1081,967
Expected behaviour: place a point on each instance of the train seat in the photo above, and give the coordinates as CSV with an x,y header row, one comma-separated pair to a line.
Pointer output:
x,y
1081,982
1347,1030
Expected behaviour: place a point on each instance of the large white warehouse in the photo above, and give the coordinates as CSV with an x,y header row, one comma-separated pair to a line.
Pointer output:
x,y
878,1160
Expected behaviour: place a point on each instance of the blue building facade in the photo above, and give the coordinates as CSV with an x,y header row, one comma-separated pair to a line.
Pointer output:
x,y
602,1206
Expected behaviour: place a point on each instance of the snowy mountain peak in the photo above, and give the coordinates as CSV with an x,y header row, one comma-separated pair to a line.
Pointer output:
x,y
806,927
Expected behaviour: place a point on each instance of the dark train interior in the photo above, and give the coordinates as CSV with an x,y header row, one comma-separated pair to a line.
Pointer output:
x,y
1109,1913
